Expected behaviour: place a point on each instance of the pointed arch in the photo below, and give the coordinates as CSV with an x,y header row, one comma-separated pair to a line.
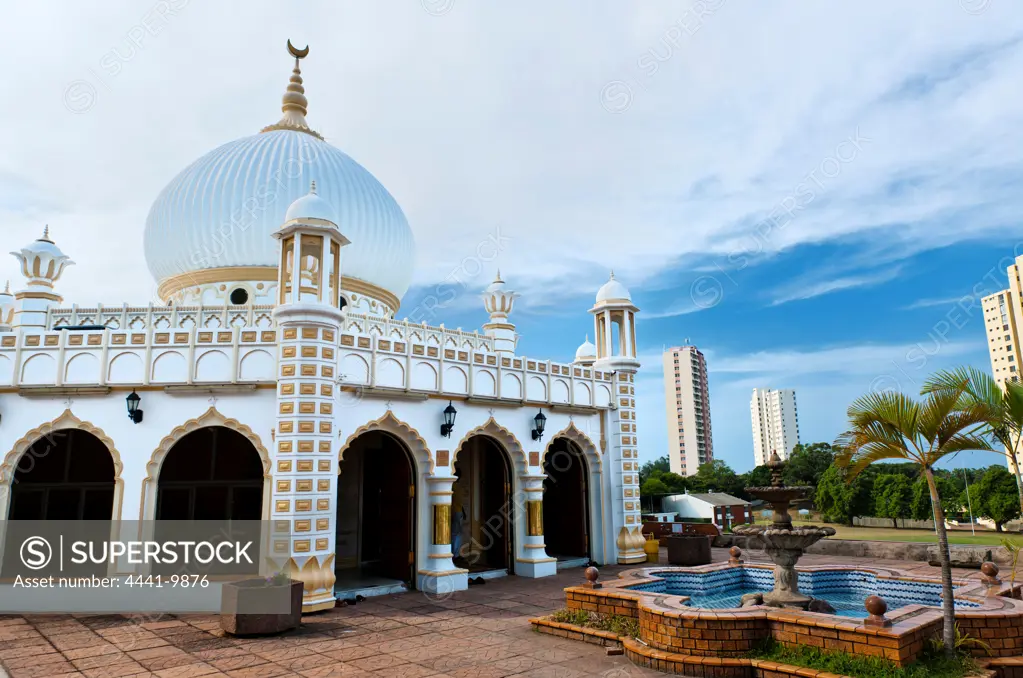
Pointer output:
x,y
408,435
573,434
211,417
506,438
66,420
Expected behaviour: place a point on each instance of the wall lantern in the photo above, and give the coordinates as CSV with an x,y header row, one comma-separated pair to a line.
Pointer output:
x,y
134,413
449,420
539,421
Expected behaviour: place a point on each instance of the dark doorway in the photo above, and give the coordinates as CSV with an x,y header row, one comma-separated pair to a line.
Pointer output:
x,y
68,475
213,473
482,493
375,514
566,525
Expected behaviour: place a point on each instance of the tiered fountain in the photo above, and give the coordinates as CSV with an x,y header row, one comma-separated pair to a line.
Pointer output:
x,y
784,544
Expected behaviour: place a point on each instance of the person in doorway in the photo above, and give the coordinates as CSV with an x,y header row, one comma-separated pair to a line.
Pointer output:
x,y
457,520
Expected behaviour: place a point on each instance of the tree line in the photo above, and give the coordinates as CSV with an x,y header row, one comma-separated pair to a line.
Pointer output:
x,y
890,491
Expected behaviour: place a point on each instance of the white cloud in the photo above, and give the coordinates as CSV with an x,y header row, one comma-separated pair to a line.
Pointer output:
x,y
474,120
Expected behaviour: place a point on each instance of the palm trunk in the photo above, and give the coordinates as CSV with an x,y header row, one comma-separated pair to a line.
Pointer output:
x,y
948,632
1019,477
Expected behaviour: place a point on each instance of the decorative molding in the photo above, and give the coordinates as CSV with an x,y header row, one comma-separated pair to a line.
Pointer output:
x,y
406,434
211,417
65,421
574,435
500,434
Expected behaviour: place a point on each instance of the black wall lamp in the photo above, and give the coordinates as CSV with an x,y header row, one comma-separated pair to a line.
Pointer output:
x,y
134,413
539,421
449,420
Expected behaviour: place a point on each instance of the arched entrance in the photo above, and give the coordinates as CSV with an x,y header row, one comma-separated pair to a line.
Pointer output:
x,y
68,475
481,507
566,524
212,473
376,515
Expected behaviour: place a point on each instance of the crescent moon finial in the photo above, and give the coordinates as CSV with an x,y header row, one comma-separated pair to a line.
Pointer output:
x,y
297,53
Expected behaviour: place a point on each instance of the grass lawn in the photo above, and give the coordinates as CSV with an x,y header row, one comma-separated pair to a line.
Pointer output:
x,y
956,536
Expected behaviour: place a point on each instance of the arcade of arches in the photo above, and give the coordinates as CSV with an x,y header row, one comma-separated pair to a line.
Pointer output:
x,y
480,508
565,500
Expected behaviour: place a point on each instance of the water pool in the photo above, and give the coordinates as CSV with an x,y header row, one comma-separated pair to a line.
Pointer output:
x,y
844,589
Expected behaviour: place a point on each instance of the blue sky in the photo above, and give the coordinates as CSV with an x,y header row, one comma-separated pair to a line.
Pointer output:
x,y
802,189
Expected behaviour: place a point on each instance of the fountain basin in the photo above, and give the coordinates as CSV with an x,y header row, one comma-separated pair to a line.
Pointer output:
x,y
671,622
845,590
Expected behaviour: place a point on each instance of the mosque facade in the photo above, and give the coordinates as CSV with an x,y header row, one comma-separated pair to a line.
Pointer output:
x,y
272,380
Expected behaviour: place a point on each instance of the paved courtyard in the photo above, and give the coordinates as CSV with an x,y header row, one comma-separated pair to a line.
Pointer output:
x,y
480,632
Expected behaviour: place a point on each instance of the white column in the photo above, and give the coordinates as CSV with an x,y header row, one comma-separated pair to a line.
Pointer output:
x,y
608,352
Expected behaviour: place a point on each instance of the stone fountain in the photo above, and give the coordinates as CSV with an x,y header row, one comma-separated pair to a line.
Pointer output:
x,y
784,544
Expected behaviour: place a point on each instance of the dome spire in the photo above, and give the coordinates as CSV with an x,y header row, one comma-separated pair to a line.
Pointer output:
x,y
294,103
46,234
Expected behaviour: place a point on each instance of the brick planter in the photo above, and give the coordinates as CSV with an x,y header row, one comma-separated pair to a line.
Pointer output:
x,y
667,624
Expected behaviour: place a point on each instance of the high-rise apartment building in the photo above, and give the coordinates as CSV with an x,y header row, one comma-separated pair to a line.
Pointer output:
x,y
1003,319
687,400
775,423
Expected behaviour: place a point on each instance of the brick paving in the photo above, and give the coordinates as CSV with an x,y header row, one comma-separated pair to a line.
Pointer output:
x,y
482,632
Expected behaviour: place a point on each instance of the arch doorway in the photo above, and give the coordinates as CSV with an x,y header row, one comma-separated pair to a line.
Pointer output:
x,y
376,514
213,473
566,524
67,475
481,506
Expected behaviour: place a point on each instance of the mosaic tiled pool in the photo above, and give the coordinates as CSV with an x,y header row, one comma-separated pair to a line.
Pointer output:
x,y
844,589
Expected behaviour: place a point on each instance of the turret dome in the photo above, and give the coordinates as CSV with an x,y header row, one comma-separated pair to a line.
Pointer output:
x,y
613,290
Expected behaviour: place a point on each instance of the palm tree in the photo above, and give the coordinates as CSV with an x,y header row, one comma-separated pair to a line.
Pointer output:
x,y
892,425
1004,409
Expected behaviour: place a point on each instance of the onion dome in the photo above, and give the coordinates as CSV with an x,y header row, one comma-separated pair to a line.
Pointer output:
x,y
214,221
613,290
587,352
311,206
42,262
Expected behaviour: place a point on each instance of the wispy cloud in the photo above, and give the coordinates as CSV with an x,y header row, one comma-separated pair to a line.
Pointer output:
x,y
930,303
801,291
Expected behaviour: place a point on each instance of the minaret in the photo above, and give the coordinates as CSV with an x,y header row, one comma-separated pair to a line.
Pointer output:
x,y
614,321
498,302
42,263
309,320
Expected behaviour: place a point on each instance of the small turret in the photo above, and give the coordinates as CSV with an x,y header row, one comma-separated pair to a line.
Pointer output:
x,y
42,264
499,301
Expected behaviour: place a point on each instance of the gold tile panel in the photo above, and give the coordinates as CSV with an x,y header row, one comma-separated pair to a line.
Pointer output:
x,y
323,465
326,408
284,486
302,545
432,351
322,524
309,352
117,339
287,408
307,408
291,333
323,485
288,352
384,345
287,370
287,389
284,446
322,504
326,427
305,446
303,504
268,337
282,506
305,466
307,389
327,353
303,525
284,466
363,342
287,426
328,335
324,446
347,340
304,486
248,336
327,371
308,370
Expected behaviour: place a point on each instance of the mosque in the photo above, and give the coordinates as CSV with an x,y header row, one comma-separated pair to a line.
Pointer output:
x,y
273,380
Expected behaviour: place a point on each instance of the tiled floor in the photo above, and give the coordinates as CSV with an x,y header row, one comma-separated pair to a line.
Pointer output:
x,y
482,632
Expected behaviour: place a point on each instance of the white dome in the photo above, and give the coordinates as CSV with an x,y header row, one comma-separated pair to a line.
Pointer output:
x,y
586,350
613,290
311,206
221,210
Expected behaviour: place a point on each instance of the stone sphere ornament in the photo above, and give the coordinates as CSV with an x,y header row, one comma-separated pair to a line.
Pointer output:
x,y
876,607
990,572
734,556
592,574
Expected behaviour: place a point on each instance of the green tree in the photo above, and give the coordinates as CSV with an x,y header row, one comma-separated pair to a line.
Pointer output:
x,y
948,490
891,425
660,464
839,500
995,496
757,477
892,495
652,487
716,476
1002,409
807,464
